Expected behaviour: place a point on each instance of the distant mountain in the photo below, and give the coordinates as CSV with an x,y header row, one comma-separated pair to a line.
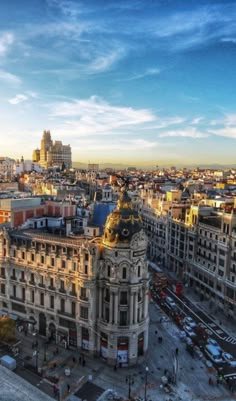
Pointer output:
x,y
120,166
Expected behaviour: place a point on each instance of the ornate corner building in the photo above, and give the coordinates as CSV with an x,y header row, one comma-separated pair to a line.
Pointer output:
x,y
86,293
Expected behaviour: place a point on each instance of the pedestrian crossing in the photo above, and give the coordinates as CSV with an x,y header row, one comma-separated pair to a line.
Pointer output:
x,y
229,339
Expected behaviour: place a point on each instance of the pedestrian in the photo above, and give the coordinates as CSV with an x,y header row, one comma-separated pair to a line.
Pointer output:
x,y
55,389
80,360
83,363
210,381
217,381
68,387
177,351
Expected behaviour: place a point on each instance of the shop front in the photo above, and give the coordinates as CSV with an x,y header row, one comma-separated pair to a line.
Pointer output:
x,y
104,346
123,350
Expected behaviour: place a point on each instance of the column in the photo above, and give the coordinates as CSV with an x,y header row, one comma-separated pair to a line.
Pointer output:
x,y
135,308
111,308
100,302
145,306
131,300
116,308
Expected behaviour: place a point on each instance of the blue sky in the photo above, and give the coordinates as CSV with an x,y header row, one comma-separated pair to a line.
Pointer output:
x,y
140,81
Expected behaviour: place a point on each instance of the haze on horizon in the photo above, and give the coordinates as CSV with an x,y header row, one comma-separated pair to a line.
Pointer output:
x,y
124,82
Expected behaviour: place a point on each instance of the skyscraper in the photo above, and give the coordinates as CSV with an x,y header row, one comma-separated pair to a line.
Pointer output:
x,y
51,153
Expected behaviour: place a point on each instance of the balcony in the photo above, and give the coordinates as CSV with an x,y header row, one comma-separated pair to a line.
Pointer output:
x,y
22,280
85,299
21,300
41,285
14,278
32,282
73,293
66,314
51,288
62,290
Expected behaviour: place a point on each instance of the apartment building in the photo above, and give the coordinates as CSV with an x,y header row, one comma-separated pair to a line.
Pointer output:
x,y
197,242
85,291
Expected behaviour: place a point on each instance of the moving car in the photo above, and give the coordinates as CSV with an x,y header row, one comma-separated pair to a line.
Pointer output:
x,y
229,359
190,322
189,331
170,302
213,353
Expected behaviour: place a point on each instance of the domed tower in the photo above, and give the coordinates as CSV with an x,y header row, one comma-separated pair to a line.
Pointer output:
x,y
123,287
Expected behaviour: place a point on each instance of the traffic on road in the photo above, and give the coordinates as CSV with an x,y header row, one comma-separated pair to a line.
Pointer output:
x,y
203,337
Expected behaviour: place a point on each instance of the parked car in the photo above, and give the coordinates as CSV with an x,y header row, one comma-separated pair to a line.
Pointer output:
x,y
190,322
212,341
229,359
189,331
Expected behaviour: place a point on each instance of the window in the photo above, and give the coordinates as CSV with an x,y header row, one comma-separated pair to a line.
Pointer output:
x,y
32,257
63,264
23,255
42,259
14,274
3,272
3,288
51,302
124,273
107,295
85,269
52,262
123,318
42,298
62,305
14,291
51,282
23,294
84,313
139,271
73,288
32,278
22,276
32,296
108,271
62,286
86,257
83,293
74,266
123,298
73,309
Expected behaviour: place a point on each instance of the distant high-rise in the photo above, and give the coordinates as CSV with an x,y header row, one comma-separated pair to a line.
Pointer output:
x,y
51,153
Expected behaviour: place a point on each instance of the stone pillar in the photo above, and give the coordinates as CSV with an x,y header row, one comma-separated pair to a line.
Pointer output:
x,y
100,303
111,308
135,308
131,308
145,303
116,308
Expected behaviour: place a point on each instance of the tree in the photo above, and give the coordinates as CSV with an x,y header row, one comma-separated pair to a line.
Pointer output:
x,y
7,330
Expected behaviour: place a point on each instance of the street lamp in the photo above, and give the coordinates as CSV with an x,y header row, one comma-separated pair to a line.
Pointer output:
x,y
145,388
130,381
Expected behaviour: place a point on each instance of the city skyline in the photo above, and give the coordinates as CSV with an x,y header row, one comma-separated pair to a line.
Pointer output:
x,y
133,82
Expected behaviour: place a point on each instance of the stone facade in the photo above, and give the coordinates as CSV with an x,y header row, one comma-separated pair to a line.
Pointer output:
x,y
87,293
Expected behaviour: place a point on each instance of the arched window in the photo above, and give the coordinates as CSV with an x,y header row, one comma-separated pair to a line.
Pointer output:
x,y
124,273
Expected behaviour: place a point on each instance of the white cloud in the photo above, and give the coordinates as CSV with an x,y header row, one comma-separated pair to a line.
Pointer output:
x,y
6,39
94,116
196,120
147,73
188,133
9,78
18,99
228,132
105,61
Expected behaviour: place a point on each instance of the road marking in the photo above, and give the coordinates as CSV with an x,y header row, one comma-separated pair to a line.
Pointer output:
x,y
212,324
